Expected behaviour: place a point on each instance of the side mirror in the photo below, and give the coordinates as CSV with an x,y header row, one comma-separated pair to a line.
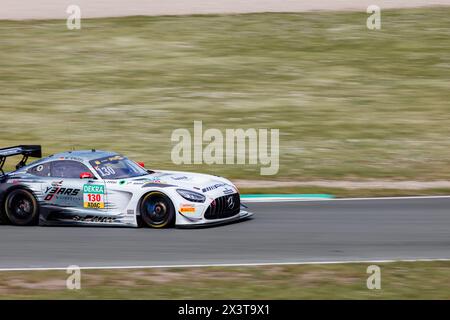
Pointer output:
x,y
86,175
141,164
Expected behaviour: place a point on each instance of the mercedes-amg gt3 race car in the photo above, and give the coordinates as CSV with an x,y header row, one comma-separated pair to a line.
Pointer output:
x,y
106,188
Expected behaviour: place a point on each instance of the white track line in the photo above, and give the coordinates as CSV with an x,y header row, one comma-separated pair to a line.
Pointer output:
x,y
339,199
227,265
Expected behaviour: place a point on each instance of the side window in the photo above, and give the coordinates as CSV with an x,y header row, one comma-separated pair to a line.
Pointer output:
x,y
67,169
40,170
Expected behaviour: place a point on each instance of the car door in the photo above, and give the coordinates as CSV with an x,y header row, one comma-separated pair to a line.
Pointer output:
x,y
67,188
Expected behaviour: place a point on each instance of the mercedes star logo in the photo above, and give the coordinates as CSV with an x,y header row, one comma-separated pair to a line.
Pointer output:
x,y
230,202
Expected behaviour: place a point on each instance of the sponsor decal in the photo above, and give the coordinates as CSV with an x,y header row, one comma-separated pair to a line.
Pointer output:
x,y
57,183
187,208
122,182
95,219
57,192
94,196
217,185
154,180
228,191
179,178
115,158
71,158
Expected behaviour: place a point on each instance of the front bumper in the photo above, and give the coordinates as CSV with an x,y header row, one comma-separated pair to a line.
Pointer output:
x,y
188,223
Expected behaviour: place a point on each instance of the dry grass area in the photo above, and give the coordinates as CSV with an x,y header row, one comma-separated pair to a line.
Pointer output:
x,y
350,103
401,280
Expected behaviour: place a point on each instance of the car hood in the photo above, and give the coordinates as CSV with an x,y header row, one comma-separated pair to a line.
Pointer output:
x,y
189,180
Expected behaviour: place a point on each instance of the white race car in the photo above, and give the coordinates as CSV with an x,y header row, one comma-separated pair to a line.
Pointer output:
x,y
105,188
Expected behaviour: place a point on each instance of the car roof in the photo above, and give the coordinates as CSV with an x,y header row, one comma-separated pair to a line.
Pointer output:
x,y
85,155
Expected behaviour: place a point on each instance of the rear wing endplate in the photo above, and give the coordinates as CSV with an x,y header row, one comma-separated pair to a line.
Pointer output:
x,y
33,151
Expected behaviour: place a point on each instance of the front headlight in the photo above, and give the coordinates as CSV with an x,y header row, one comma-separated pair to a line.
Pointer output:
x,y
191,195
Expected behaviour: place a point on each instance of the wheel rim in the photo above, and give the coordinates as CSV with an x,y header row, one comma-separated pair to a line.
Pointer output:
x,y
21,206
156,209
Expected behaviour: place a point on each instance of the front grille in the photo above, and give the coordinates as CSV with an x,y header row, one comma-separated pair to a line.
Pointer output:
x,y
223,207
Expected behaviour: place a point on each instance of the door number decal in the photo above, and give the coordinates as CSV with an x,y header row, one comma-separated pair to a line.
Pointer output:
x,y
94,196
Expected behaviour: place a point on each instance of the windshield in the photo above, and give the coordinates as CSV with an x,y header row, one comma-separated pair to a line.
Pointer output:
x,y
117,167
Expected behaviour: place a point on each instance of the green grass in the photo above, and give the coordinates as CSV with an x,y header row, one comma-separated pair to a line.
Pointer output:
x,y
402,280
350,103
345,193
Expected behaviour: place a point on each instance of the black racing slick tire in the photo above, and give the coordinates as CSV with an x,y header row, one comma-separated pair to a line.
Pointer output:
x,y
22,208
157,210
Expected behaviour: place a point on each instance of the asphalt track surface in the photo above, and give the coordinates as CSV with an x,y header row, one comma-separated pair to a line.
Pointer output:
x,y
311,231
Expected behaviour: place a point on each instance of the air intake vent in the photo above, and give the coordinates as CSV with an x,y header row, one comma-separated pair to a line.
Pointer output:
x,y
224,207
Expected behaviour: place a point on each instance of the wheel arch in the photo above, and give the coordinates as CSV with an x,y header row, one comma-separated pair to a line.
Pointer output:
x,y
4,196
142,197
147,192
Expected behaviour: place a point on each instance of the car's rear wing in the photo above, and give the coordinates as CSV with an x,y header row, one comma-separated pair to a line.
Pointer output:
x,y
33,151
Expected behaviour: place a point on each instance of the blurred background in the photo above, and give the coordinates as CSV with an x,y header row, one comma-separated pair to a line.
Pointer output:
x,y
351,103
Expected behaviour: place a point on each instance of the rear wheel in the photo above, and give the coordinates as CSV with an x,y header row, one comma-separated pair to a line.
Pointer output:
x,y
157,210
21,208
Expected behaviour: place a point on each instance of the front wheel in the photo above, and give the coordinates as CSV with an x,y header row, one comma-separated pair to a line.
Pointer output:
x,y
157,210
21,208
